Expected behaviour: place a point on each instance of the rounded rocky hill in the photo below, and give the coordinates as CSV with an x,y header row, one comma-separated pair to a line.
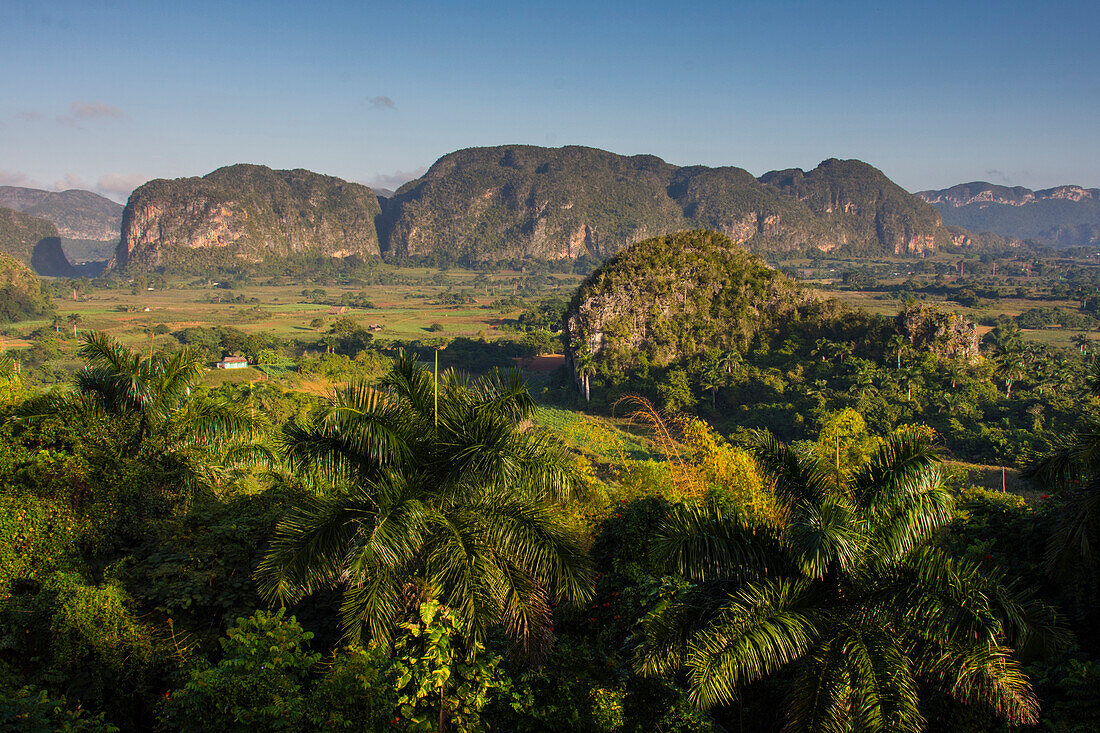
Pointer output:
x,y
245,212
675,296
523,201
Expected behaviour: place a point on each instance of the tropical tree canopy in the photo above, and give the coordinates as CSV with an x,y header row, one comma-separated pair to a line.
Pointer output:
x,y
846,594
436,491
1072,470
148,402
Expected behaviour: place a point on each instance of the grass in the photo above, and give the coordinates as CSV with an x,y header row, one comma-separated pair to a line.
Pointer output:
x,y
600,438
403,312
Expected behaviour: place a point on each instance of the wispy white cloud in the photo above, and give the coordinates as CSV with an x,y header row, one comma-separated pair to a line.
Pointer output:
x,y
29,115
83,111
381,102
394,180
91,110
119,185
70,180
14,178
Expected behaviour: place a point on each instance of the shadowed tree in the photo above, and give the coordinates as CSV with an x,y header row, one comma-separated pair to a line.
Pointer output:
x,y
1072,472
459,506
846,595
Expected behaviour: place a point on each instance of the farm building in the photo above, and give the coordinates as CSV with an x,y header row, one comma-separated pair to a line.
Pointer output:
x,y
232,362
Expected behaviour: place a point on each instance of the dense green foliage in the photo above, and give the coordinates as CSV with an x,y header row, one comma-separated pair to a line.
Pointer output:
x,y
460,502
19,233
498,203
21,293
247,212
142,515
694,322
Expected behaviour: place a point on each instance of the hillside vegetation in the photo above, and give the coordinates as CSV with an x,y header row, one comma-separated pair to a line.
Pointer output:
x,y
21,293
676,296
554,203
20,233
246,213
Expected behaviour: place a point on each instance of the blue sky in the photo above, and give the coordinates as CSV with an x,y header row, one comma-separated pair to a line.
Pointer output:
x,y
104,94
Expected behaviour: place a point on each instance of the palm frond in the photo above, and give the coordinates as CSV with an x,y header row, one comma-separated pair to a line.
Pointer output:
x,y
505,394
797,477
821,536
311,545
986,675
820,699
702,543
1074,535
764,627
901,466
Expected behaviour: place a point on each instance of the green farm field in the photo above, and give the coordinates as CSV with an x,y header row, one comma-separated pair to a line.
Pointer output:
x,y
403,311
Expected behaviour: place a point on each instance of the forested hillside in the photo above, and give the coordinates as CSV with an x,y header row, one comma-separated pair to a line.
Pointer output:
x,y
245,213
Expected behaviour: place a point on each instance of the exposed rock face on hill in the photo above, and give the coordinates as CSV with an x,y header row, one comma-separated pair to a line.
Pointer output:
x,y
930,329
862,205
76,214
20,233
245,212
554,203
1066,216
672,297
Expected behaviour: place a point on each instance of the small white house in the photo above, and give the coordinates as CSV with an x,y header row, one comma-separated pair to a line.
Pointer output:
x,y
232,362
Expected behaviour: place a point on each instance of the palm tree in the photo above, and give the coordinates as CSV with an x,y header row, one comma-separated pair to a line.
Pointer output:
x,y
1011,367
730,361
1082,342
463,510
898,346
847,595
144,399
585,367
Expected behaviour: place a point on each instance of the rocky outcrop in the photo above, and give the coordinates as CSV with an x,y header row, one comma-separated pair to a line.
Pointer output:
x,y
245,213
980,192
1063,216
521,201
76,214
672,297
862,207
929,329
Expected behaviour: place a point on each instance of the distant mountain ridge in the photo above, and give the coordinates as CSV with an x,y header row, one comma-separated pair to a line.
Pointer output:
x,y
76,214
516,202
1063,216
512,201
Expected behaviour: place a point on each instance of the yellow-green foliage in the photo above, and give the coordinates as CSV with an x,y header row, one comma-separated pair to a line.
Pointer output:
x,y
729,474
36,537
843,439
94,630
